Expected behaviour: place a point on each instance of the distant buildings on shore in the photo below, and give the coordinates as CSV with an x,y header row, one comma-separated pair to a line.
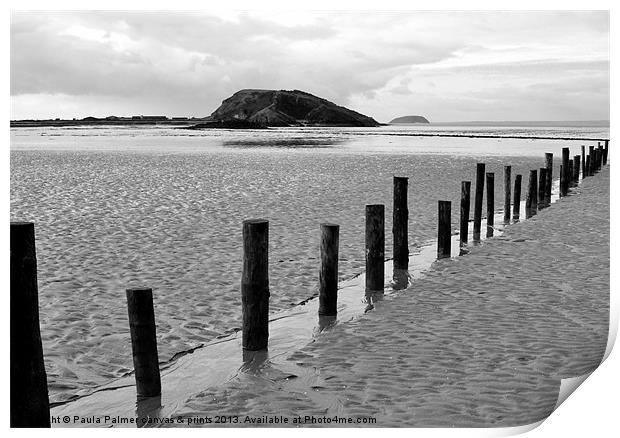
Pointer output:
x,y
110,120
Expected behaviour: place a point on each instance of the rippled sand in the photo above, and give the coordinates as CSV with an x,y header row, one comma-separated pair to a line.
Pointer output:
x,y
106,221
481,340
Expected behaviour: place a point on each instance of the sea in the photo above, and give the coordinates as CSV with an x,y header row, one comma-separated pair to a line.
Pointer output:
x,y
162,207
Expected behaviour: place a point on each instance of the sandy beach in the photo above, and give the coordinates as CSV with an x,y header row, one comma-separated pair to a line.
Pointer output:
x,y
478,341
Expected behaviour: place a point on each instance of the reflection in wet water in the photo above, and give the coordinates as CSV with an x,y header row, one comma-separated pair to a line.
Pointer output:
x,y
371,297
253,361
326,321
401,279
283,143
148,409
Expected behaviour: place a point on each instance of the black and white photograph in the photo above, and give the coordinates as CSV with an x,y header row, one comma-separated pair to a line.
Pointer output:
x,y
269,217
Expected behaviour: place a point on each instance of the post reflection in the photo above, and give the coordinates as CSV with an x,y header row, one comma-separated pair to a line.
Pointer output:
x,y
148,408
370,298
254,360
400,279
326,321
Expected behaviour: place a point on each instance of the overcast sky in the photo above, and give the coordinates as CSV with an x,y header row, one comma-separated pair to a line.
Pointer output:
x,y
447,66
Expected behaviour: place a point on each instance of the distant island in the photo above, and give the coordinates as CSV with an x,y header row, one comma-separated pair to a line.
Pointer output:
x,y
285,108
246,109
410,119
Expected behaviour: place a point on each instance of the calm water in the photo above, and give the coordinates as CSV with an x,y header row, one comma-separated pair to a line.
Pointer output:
x,y
161,207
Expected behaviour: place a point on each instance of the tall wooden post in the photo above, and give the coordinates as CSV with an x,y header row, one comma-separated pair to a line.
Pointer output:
x,y
577,161
591,155
549,181
587,166
400,224
583,161
444,241
605,152
478,200
375,248
255,284
542,187
328,273
531,202
516,208
570,172
507,181
143,341
29,400
564,173
490,203
465,201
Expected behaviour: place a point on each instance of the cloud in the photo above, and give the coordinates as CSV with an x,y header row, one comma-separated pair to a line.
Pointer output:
x,y
186,63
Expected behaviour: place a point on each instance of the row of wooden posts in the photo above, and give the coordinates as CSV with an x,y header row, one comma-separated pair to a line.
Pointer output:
x,y
29,395
538,194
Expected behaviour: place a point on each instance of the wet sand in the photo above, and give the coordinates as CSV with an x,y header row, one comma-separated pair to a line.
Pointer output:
x,y
479,341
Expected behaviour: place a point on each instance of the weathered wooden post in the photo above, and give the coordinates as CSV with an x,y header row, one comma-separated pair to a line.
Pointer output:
x,y
570,172
400,219
143,341
531,202
605,152
490,203
592,165
516,210
328,273
29,399
600,157
444,241
587,166
542,187
375,248
507,180
583,161
577,160
465,201
255,284
478,200
549,181
564,173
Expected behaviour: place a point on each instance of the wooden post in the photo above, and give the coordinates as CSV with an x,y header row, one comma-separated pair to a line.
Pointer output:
x,y
444,240
577,160
375,248
591,156
465,201
549,181
29,400
490,203
328,273
587,167
516,208
507,180
571,171
143,341
583,161
531,202
255,284
600,157
605,152
542,187
400,224
564,173
478,200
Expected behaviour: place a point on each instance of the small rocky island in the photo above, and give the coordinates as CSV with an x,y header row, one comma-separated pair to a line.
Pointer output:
x,y
267,108
409,120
